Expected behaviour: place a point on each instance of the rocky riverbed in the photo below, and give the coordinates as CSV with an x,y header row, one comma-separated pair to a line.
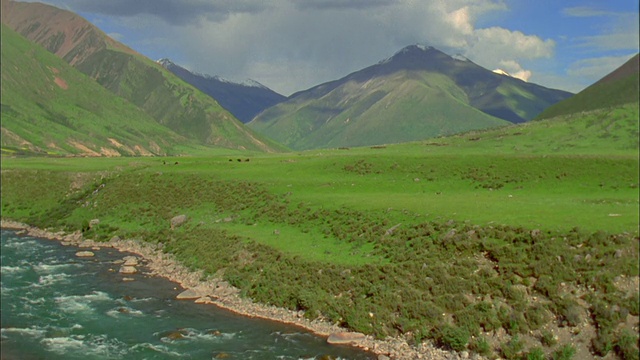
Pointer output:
x,y
220,293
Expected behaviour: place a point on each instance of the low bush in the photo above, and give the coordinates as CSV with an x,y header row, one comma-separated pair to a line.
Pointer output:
x,y
451,337
565,352
626,345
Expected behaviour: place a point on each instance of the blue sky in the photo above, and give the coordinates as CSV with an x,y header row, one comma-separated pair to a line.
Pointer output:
x,y
291,45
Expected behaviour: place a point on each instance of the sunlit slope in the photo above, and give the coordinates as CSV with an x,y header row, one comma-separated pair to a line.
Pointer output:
x,y
399,107
50,107
162,95
604,132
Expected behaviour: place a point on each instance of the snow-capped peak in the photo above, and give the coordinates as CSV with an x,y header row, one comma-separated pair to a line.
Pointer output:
x,y
248,82
460,57
165,62
502,72
408,49
424,47
253,83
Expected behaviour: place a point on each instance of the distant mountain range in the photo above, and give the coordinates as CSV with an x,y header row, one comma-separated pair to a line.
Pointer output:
x,y
158,108
243,100
158,92
616,88
419,92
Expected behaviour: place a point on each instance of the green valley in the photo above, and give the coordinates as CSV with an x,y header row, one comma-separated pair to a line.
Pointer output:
x,y
430,237
427,199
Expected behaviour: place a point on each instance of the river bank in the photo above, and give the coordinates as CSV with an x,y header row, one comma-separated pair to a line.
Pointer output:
x,y
219,293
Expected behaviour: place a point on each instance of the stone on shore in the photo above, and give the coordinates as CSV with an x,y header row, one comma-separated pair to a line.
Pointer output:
x,y
189,294
128,270
85,254
203,300
130,261
345,338
87,244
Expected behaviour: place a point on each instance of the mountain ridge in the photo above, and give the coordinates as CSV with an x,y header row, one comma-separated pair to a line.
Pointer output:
x,y
421,89
49,107
169,100
619,87
244,100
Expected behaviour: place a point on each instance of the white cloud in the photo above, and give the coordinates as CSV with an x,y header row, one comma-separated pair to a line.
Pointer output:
x,y
618,30
514,69
585,11
621,33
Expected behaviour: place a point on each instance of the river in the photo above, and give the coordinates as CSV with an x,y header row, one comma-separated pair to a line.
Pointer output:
x,y
58,306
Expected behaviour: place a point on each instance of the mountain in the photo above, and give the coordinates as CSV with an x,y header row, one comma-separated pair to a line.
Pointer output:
x,y
165,97
48,107
617,88
419,92
243,100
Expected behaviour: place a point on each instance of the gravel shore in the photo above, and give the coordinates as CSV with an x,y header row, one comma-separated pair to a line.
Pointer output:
x,y
219,293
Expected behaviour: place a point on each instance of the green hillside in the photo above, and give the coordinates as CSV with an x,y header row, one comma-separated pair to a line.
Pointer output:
x,y
392,109
613,131
617,88
169,100
418,93
50,107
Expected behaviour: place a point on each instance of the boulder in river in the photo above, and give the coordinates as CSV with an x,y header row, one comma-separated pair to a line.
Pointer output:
x,y
128,270
85,254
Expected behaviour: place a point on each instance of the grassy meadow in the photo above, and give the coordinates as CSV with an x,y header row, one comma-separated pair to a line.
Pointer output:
x,y
521,230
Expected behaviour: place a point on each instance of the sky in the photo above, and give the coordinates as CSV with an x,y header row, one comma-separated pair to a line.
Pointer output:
x,y
292,45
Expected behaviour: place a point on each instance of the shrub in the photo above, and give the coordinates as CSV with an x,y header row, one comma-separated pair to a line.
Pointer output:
x,y
604,315
452,337
536,316
566,352
602,343
626,345
512,349
548,339
535,353
481,346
